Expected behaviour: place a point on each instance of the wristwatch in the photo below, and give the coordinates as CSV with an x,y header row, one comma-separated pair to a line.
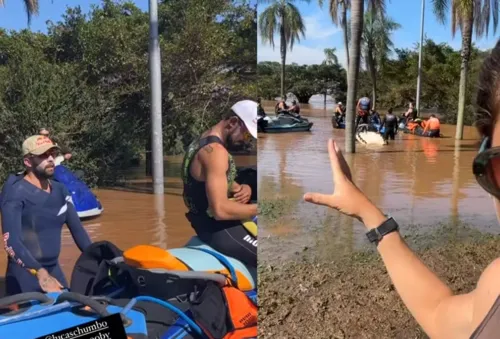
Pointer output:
x,y
376,234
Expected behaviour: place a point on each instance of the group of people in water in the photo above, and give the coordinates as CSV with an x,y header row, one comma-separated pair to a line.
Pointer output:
x,y
369,118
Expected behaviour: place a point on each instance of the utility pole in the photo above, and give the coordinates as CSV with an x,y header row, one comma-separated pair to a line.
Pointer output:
x,y
419,79
155,99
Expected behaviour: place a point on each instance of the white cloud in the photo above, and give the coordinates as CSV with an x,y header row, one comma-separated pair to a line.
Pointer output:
x,y
302,55
317,29
319,35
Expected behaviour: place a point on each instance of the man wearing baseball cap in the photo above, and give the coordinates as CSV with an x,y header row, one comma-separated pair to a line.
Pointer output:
x,y
34,209
217,204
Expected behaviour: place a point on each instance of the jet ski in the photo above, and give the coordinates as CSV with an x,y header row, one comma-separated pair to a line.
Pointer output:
x,y
283,123
86,203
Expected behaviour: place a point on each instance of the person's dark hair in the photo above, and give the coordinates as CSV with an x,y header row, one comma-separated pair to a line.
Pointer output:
x,y
230,114
389,110
433,115
488,94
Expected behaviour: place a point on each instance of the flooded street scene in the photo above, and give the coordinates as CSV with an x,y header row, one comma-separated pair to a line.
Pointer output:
x,y
421,182
410,152
316,263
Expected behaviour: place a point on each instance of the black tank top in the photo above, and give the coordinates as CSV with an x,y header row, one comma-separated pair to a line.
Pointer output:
x,y
195,194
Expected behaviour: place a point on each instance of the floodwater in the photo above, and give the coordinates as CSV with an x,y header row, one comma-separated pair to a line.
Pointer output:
x,y
423,183
133,216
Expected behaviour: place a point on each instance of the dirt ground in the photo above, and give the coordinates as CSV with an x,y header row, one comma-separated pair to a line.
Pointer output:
x,y
351,296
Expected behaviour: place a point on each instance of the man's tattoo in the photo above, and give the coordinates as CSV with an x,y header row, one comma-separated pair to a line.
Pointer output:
x,y
209,149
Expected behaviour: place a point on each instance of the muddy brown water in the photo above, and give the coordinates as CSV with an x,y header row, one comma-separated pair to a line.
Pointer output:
x,y
423,183
133,216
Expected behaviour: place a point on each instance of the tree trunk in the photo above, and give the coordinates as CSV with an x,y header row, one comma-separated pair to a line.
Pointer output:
x,y
357,10
344,28
464,72
283,53
373,74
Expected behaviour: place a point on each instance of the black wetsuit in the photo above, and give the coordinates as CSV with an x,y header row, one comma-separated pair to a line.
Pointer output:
x,y
32,221
229,237
391,126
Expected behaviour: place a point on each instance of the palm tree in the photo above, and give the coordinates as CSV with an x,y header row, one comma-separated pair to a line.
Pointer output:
x,y
377,44
284,18
31,8
330,57
338,12
467,15
356,28
330,60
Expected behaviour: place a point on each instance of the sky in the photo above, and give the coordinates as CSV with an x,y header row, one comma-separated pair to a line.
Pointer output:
x,y
321,33
13,14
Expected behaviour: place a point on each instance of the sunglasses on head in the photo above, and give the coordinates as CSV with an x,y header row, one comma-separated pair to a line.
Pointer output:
x,y
486,167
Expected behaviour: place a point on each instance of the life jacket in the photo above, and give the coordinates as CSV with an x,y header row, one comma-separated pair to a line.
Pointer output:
x,y
412,126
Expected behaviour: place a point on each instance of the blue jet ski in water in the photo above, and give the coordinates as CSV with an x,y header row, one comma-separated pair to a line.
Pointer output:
x,y
85,202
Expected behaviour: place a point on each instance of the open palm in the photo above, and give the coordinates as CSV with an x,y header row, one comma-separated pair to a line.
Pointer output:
x,y
347,197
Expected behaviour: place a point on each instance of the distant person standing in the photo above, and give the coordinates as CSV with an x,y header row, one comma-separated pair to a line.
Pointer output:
x,y
390,122
411,113
339,115
362,110
339,110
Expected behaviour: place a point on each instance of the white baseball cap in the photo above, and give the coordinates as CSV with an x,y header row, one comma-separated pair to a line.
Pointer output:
x,y
246,110
339,103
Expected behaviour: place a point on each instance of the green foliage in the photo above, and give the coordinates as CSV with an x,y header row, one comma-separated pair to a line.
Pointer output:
x,y
87,79
396,80
305,80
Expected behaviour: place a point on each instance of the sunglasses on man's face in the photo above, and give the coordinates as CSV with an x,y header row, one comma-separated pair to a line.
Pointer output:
x,y
486,167
46,155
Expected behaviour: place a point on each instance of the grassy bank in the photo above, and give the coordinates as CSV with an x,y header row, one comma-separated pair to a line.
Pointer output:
x,y
351,296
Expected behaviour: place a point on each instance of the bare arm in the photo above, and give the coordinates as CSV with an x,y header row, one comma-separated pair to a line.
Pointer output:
x,y
440,313
214,159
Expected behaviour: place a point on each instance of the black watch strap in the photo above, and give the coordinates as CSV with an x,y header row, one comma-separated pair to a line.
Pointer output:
x,y
376,234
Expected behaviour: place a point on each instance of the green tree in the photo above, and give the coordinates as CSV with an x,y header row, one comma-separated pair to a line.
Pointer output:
x,y
338,12
284,18
31,8
330,56
86,80
330,60
467,15
377,45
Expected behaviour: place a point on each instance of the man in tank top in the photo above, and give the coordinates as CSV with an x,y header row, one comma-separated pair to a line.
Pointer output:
x,y
217,204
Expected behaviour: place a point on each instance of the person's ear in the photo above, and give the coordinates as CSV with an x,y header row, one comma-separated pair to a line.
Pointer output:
x,y
233,122
27,162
